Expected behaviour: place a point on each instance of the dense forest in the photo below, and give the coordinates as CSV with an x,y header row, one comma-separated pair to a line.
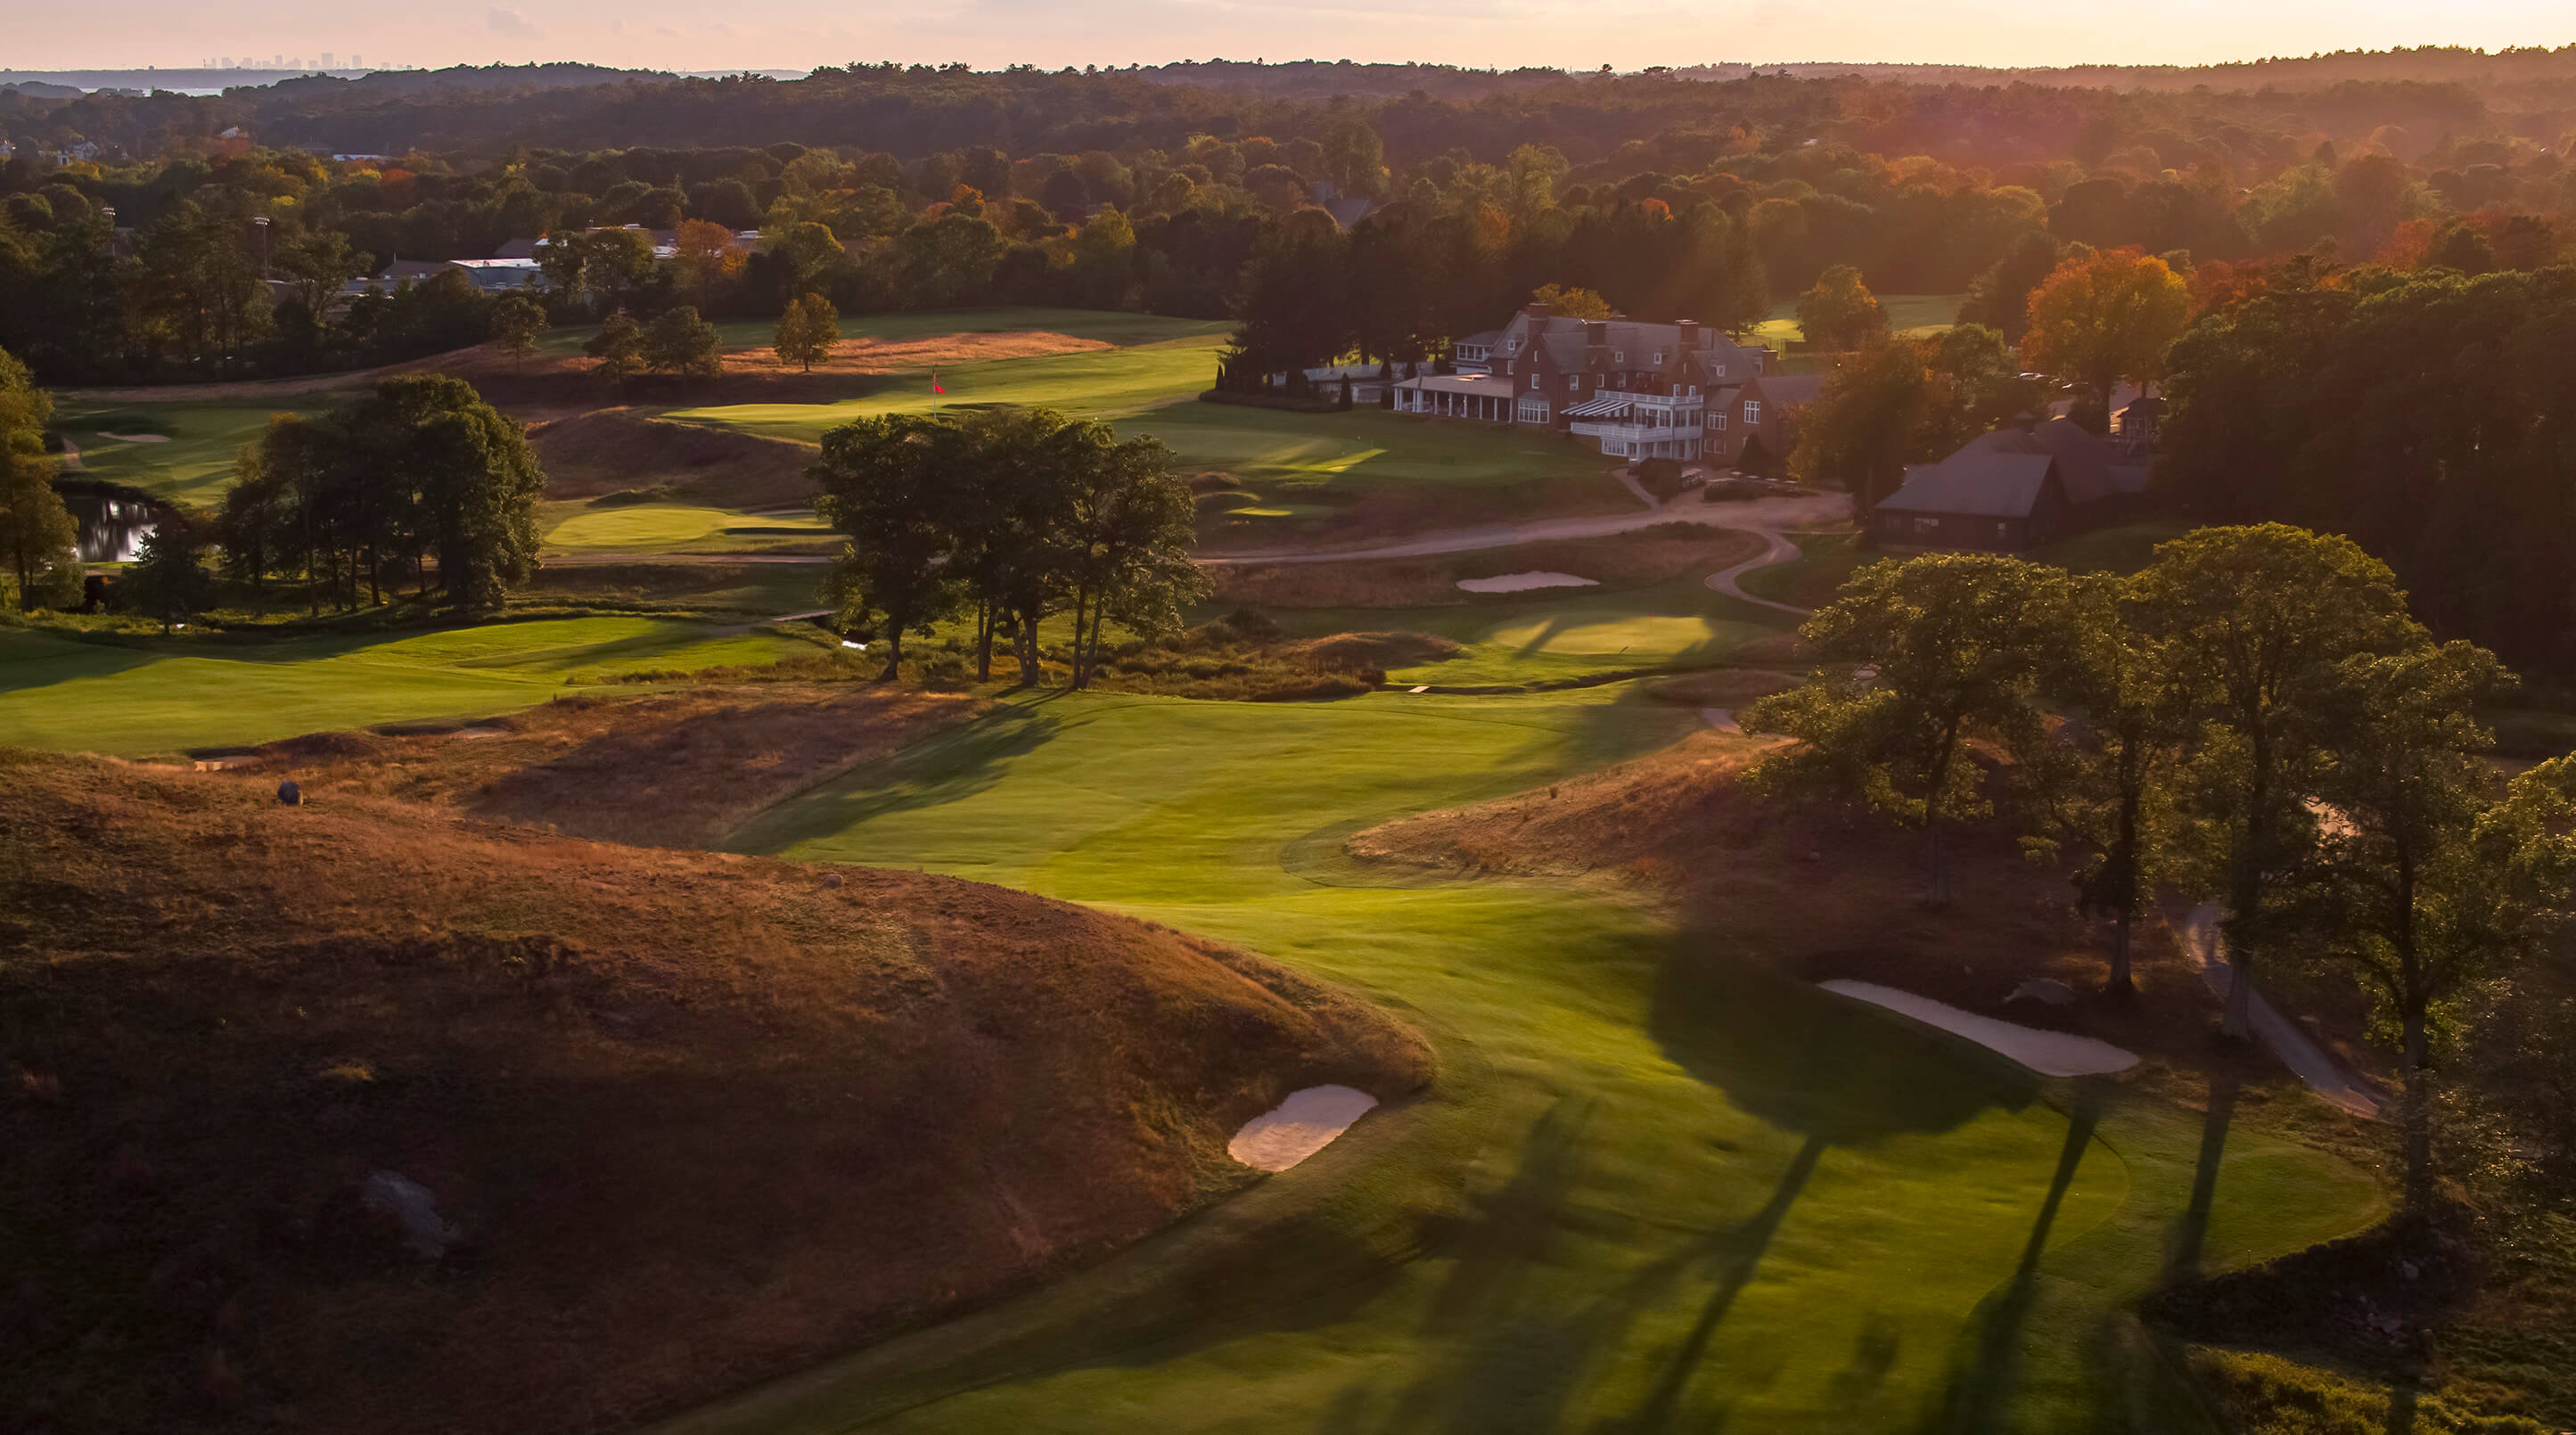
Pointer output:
x,y
233,231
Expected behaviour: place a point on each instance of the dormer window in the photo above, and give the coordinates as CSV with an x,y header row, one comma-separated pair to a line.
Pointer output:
x,y
1515,346
1721,371
1659,356
1618,356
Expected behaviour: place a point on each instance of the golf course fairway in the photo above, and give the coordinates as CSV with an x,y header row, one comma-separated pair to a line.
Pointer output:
x,y
1654,1186
137,698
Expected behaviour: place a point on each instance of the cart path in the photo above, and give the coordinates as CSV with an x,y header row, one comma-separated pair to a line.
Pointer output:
x,y
1780,548
2298,1051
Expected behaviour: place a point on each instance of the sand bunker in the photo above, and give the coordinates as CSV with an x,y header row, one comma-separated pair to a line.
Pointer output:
x,y
1523,582
1298,1127
2050,1053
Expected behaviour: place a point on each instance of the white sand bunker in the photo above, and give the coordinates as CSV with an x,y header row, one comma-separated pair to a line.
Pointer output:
x,y
1523,582
2050,1053
135,437
1298,1127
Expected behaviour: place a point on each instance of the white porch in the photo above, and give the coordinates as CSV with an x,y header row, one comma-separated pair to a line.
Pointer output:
x,y
1464,396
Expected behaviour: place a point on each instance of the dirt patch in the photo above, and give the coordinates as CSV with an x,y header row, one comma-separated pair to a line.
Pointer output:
x,y
623,450
695,1120
1615,563
667,770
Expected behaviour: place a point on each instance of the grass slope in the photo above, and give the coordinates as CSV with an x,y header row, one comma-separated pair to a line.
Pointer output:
x,y
167,696
698,1119
1660,1189
1915,314
192,463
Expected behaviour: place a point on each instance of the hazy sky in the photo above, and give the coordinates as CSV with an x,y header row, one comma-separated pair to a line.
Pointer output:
x,y
1629,34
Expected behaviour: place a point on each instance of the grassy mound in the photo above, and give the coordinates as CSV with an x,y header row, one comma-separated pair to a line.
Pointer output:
x,y
611,451
668,770
694,1119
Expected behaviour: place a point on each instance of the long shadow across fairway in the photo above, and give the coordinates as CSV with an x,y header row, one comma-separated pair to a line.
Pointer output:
x,y
950,767
1980,1392
2191,1233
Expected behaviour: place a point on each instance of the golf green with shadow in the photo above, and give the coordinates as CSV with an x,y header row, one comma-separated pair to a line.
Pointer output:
x,y
1654,1186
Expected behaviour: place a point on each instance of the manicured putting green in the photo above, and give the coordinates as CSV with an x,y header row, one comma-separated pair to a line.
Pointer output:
x,y
196,692
664,527
193,461
1680,1193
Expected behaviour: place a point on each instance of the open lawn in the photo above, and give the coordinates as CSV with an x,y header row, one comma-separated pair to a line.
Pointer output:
x,y
1092,382
1292,476
1657,1188
199,691
1906,313
1109,326
177,451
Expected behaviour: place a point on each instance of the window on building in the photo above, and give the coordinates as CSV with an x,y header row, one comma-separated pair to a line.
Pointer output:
x,y
1659,357
1533,381
1514,346
1618,356
1574,383
1926,524
1753,412
1720,371
1533,411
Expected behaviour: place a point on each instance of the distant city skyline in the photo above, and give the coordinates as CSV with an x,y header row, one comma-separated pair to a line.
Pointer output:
x,y
1585,34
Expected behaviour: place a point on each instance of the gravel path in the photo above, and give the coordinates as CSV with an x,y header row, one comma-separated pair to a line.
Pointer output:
x,y
2298,1051
1780,549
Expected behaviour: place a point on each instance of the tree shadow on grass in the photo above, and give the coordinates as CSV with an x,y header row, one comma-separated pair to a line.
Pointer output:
x,y
1982,1388
2191,1231
949,767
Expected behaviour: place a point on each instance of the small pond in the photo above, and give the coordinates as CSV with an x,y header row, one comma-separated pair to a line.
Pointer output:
x,y
112,525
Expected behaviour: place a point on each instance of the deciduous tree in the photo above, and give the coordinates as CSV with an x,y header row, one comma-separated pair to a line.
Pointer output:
x,y
1840,312
1926,656
2257,622
807,331
2102,317
518,321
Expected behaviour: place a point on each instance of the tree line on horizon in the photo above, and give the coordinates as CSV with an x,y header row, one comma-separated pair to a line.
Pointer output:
x,y
1705,200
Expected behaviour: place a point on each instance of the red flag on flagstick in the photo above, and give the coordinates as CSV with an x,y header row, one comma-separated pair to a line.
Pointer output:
x,y
934,383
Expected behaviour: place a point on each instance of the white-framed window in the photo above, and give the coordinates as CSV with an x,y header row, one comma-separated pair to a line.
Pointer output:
x,y
1574,383
1618,356
1752,412
1614,447
1926,524
1533,381
1720,371
1515,346
1658,359
1533,411
1716,419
